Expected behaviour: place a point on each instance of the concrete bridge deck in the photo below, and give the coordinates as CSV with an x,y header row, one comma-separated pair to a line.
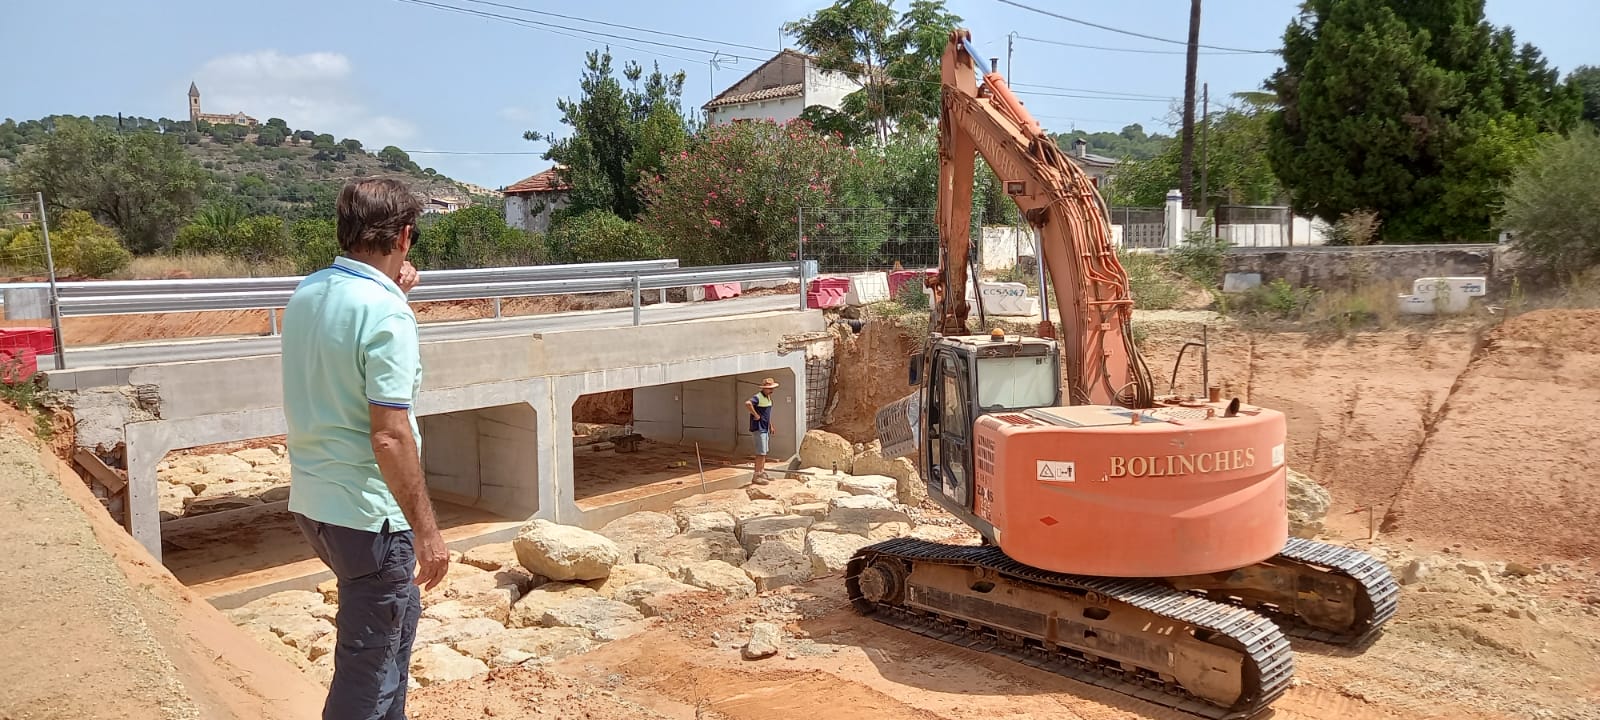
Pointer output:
x,y
496,403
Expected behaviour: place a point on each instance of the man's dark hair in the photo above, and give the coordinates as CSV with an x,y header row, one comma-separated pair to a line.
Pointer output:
x,y
373,212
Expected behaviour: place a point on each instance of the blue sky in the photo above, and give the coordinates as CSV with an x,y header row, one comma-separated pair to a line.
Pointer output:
x,y
390,72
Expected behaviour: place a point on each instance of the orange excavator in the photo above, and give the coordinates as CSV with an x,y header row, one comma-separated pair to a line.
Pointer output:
x,y
1133,541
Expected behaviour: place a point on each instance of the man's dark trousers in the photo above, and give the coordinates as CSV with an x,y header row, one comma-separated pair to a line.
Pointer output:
x,y
377,619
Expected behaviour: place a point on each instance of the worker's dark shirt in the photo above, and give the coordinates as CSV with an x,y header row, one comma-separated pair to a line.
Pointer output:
x,y
763,406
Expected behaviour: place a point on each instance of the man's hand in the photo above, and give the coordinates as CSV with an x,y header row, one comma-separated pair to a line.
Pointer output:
x,y
408,277
433,559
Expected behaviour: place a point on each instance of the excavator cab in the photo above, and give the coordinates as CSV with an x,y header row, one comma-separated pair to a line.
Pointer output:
x,y
970,376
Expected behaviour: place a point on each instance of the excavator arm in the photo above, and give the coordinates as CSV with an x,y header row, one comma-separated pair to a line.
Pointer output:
x,y
1101,363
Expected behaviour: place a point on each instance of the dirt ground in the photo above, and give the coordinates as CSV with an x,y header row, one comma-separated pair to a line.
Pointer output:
x,y
1462,450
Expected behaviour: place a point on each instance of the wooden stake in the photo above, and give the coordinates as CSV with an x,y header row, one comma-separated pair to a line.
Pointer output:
x,y
700,465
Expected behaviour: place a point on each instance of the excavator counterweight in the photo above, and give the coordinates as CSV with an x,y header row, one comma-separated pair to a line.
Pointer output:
x,y
1133,541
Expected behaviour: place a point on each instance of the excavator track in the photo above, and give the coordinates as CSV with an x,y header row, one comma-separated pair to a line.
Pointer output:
x,y
1313,590
1136,637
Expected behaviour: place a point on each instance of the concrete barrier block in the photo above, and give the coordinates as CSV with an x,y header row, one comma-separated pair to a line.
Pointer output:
x,y
1467,286
867,288
1240,282
1007,299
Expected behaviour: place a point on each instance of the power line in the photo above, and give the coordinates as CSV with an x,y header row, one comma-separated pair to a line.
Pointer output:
x,y
557,29
1129,50
615,25
469,152
1139,96
1108,28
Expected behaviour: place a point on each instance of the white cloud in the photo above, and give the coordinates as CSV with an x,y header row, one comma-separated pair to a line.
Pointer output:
x,y
312,91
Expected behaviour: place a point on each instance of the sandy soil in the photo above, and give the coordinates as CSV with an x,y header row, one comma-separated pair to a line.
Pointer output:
x,y
95,629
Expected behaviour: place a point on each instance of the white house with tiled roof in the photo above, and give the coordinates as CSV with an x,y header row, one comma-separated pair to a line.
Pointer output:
x,y
779,90
531,200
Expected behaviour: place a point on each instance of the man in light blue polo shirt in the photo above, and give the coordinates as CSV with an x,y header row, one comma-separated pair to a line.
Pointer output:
x,y
351,371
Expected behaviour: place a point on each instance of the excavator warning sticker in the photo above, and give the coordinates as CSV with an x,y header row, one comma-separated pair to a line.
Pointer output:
x,y
1057,471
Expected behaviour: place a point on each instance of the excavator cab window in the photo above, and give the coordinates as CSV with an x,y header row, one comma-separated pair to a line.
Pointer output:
x,y
951,457
914,371
1016,383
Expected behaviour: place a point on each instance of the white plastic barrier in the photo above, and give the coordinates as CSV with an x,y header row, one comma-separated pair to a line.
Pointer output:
x,y
1007,299
867,288
1448,295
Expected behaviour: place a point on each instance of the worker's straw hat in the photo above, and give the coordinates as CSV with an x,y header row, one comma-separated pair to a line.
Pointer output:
x,y
769,384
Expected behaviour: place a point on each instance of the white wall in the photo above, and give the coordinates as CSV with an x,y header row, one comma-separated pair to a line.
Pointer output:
x,y
827,88
779,110
520,210
711,412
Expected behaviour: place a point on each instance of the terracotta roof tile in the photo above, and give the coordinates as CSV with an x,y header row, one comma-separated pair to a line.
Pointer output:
x,y
546,181
771,93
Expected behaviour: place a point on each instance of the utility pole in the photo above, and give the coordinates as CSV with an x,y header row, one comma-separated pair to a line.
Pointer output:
x,y
1186,163
1011,40
1205,144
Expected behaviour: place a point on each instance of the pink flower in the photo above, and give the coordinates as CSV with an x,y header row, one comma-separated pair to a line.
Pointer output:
x,y
716,223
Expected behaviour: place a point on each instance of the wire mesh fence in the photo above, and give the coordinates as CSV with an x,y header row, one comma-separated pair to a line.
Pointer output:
x,y
846,240
23,249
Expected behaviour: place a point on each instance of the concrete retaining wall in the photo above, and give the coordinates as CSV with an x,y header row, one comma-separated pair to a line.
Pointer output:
x,y
1334,267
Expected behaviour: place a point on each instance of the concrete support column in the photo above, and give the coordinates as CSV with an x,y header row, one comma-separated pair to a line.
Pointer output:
x,y
1175,224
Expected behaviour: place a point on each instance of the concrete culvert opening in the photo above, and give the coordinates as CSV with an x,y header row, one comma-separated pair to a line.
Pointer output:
x,y
635,449
226,530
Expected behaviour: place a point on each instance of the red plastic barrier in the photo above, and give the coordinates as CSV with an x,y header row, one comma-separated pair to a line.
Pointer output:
x,y
722,291
900,277
827,292
18,364
40,340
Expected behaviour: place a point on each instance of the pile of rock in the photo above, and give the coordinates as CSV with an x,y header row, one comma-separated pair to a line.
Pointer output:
x,y
556,590
192,485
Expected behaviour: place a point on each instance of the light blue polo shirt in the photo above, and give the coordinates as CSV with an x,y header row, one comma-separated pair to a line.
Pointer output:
x,y
349,340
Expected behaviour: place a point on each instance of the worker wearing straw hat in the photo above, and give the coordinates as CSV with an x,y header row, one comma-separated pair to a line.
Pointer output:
x,y
760,407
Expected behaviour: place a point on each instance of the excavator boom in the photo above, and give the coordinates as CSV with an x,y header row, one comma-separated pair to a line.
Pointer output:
x,y
1102,363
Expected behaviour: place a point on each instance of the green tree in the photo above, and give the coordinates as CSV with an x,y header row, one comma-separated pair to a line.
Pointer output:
x,y
269,136
733,196
1418,111
78,246
1237,168
313,243
896,59
1587,81
140,183
396,159
469,238
601,236
608,127
1552,206
259,238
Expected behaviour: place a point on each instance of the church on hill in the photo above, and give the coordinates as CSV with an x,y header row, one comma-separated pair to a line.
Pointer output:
x,y
197,117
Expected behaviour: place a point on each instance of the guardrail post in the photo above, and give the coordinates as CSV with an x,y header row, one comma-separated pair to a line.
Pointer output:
x,y
635,299
497,308
272,313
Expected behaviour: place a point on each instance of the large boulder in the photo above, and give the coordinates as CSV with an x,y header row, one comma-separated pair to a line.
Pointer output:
x,y
288,602
827,451
692,547
909,486
451,632
650,596
765,641
435,664
776,564
880,485
492,557
538,644
717,520
276,646
258,457
1308,505
217,499
791,492
788,529
639,530
721,577
734,502
529,610
226,466
830,552
170,499
624,575
563,552
869,516
606,619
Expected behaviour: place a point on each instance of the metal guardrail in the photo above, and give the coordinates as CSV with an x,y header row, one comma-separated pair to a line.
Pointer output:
x,y
436,286
108,288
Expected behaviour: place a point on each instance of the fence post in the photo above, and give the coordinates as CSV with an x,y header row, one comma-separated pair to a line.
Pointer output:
x,y
55,299
636,299
1175,224
800,251
272,314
